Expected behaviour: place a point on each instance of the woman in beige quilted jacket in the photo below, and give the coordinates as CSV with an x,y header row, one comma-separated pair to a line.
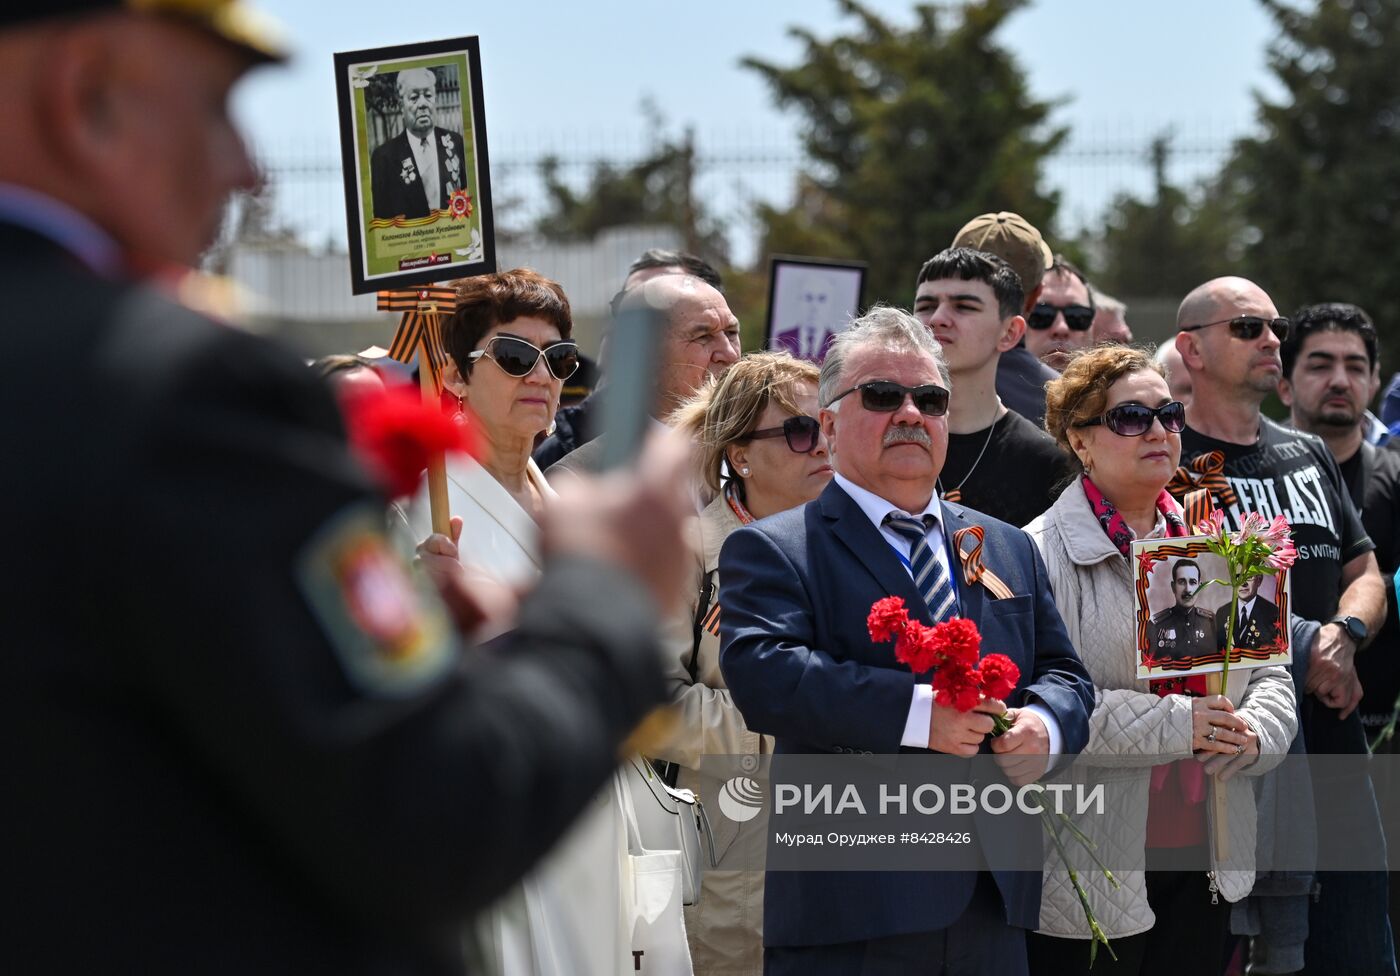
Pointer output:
x,y
759,451
1148,741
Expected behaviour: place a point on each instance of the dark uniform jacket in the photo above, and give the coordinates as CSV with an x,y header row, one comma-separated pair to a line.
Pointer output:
x,y
1181,632
237,742
1260,627
396,186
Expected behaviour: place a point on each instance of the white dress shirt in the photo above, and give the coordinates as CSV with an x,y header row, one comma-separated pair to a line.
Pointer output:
x,y
916,726
425,157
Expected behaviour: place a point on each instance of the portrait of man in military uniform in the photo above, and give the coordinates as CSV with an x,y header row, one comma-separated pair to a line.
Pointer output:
x,y
1256,623
1184,629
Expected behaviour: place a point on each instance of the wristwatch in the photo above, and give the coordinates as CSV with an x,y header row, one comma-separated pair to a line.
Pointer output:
x,y
1354,627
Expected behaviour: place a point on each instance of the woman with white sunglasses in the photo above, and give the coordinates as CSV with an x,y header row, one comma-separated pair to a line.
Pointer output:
x,y
509,352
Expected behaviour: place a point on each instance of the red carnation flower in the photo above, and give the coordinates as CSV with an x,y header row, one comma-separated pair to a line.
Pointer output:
x,y
915,647
887,619
955,686
999,675
394,433
958,641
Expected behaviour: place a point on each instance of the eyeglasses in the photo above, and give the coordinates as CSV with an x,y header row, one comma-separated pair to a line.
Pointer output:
x,y
1248,327
802,434
884,396
516,357
1077,317
1135,419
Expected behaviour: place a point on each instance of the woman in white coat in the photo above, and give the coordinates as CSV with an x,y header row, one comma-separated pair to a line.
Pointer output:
x,y
509,352
1112,410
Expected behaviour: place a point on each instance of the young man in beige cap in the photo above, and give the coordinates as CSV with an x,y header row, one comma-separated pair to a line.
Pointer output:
x,y
1021,377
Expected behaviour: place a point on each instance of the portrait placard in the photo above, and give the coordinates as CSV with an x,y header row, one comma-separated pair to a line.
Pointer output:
x,y
809,301
413,153
1181,604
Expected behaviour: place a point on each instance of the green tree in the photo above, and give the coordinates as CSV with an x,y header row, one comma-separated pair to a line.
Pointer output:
x,y
1319,186
1168,245
909,133
658,189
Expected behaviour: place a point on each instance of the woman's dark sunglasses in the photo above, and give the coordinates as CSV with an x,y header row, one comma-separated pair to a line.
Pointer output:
x,y
1135,419
802,434
883,396
518,357
1077,317
1248,327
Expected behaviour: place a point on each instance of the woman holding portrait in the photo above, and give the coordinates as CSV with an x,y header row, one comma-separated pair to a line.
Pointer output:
x,y
1154,744
508,352
759,451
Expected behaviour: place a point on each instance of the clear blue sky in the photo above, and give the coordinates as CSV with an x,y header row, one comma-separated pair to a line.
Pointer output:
x,y
561,72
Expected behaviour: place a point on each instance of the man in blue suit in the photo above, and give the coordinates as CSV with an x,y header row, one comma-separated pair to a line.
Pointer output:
x,y
796,589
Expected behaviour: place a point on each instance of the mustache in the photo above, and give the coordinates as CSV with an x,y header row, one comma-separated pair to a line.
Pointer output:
x,y
907,435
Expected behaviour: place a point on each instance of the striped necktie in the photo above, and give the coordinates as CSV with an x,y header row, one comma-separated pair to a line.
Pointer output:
x,y
930,575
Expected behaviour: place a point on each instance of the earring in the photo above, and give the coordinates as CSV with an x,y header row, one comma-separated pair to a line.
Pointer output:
x,y
461,417
744,472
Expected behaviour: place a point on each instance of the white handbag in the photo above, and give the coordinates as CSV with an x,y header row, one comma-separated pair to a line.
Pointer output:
x,y
671,819
651,899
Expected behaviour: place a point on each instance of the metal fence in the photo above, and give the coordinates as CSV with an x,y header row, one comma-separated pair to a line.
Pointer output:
x,y
303,209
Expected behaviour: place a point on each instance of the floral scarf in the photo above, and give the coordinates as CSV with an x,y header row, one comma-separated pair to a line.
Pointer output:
x,y
1194,686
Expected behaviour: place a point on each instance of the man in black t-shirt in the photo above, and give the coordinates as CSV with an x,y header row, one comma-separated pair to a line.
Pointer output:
x,y
1229,336
1331,371
998,462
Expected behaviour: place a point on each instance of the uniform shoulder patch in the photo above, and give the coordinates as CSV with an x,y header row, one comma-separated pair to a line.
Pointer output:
x,y
392,637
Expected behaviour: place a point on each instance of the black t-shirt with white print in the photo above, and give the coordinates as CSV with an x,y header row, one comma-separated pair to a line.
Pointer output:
x,y
1287,472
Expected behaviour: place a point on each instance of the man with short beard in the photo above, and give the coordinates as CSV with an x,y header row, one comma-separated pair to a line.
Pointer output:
x,y
1229,333
1331,369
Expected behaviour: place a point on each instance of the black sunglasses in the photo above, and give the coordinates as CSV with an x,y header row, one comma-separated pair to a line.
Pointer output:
x,y
516,357
802,434
1248,327
1135,419
883,396
1077,317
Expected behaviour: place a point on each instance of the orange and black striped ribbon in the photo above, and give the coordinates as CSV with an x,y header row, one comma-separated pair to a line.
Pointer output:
x,y
711,622
973,569
1206,471
421,323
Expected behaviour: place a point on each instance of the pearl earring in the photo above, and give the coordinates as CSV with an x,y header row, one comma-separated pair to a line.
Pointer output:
x,y
744,472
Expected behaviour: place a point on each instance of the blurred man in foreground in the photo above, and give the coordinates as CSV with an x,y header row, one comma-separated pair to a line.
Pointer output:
x,y
244,740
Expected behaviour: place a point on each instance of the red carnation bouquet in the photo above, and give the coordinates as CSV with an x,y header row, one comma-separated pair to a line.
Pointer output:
x,y
961,679
951,651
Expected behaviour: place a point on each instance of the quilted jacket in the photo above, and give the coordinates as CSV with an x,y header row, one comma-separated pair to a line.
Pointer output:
x,y
1132,729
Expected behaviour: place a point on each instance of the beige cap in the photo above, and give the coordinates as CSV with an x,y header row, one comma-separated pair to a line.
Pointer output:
x,y
246,28
1012,238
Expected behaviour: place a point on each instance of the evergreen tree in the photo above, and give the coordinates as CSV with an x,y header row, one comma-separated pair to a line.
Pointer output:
x,y
909,134
1319,186
1164,247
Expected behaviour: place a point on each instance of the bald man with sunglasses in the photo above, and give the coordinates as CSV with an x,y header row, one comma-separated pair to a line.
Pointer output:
x,y
1229,334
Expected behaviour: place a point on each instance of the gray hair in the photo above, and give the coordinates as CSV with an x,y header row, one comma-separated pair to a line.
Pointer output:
x,y
884,326
1105,302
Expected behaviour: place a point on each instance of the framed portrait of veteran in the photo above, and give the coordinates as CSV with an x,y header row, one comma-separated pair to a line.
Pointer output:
x,y
810,300
413,151
1182,615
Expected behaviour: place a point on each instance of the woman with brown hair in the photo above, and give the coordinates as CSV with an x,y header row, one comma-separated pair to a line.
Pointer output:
x,y
509,352
1112,411
759,451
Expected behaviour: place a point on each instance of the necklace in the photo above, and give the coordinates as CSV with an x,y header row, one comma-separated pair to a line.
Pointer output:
x,y
955,494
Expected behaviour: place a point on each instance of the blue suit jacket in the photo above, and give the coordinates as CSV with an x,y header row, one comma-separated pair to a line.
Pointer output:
x,y
795,590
